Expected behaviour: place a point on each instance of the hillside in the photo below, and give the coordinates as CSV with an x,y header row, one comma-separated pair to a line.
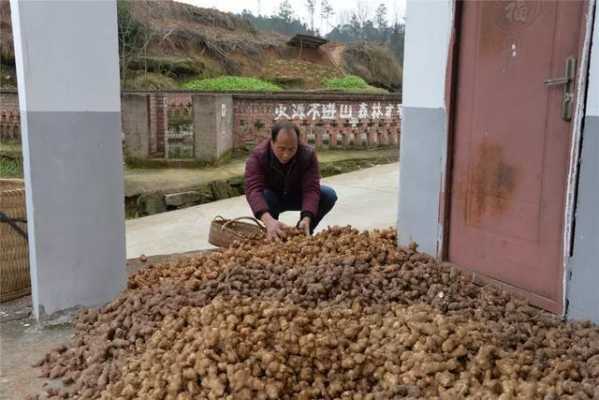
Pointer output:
x,y
164,44
7,55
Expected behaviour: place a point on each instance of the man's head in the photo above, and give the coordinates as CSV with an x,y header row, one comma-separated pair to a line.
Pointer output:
x,y
285,141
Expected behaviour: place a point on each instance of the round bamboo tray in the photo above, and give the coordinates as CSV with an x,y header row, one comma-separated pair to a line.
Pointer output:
x,y
223,232
14,252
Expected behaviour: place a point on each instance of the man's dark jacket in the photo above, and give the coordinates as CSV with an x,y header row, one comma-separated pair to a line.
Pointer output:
x,y
299,177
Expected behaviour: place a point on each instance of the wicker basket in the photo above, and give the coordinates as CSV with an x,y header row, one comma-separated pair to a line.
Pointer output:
x,y
14,256
223,232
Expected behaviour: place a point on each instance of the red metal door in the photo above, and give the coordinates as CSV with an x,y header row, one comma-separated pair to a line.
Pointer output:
x,y
511,145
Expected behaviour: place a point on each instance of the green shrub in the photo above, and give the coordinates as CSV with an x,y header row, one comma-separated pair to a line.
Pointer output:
x,y
231,83
347,82
351,83
150,81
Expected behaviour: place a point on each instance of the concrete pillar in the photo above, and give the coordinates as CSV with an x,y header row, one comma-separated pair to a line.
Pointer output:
x,y
346,139
423,138
136,125
318,131
68,78
212,126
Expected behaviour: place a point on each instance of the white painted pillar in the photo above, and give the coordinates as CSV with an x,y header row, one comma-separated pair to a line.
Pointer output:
x,y
68,80
423,141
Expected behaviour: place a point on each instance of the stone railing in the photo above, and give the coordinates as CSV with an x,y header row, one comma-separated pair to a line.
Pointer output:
x,y
328,120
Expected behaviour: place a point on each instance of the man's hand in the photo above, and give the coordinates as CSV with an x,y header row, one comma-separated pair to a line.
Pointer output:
x,y
304,224
275,230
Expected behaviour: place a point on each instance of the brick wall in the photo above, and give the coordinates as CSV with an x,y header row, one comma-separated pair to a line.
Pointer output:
x,y
325,119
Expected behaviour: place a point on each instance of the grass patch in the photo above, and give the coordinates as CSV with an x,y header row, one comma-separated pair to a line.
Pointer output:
x,y
161,163
150,81
351,83
347,82
231,83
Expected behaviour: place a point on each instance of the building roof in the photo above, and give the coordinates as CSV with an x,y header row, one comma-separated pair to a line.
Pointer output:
x,y
301,40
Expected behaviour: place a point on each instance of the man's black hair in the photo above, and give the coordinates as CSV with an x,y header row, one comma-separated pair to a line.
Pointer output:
x,y
284,126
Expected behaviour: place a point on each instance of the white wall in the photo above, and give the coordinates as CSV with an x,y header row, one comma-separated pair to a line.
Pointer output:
x,y
428,30
66,55
593,83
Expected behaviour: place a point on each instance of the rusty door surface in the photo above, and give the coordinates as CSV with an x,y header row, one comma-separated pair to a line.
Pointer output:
x,y
511,143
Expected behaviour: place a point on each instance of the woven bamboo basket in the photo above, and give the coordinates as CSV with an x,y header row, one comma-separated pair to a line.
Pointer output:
x,y
14,255
223,232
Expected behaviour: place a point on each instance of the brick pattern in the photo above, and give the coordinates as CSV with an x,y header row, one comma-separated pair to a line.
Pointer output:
x,y
179,99
158,124
10,120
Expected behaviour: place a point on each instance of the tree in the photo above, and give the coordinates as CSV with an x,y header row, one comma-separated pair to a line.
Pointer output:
x,y
396,41
285,11
311,6
371,33
343,18
362,12
381,16
276,23
355,26
326,11
131,36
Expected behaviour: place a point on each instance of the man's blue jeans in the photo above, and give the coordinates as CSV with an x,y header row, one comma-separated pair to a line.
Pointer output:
x,y
278,203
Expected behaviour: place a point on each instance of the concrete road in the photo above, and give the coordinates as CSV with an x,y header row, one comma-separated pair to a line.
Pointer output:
x,y
368,199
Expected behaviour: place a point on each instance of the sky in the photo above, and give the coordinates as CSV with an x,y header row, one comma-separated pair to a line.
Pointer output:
x,y
342,8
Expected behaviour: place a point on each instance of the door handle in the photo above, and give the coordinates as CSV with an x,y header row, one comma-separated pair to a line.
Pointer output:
x,y
568,92
556,81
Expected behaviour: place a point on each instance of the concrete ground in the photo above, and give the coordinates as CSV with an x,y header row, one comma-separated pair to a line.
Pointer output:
x,y
147,180
367,200
23,343
144,179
